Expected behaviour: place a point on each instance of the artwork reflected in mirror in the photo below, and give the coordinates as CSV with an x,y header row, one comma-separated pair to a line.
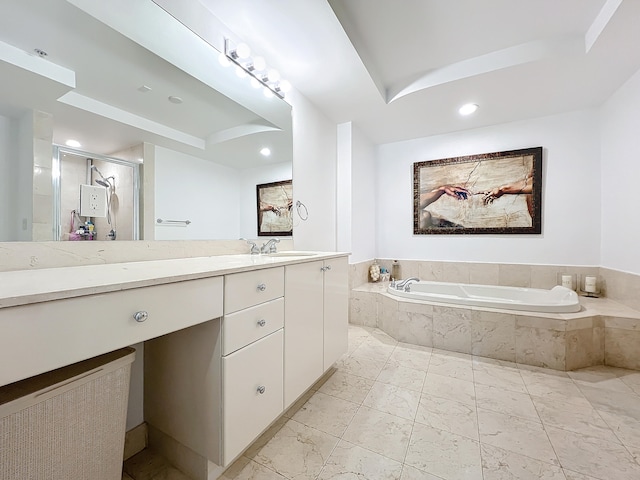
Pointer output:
x,y
275,203
498,192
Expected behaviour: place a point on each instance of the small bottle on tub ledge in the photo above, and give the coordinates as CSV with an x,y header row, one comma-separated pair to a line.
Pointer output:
x,y
395,271
590,286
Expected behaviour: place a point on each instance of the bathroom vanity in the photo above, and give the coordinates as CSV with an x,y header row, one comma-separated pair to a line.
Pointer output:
x,y
231,340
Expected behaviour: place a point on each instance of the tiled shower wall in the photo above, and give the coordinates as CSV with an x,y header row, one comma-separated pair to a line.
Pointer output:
x,y
619,286
42,225
73,173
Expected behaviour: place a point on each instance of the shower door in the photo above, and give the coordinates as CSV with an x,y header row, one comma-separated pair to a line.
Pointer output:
x,y
115,179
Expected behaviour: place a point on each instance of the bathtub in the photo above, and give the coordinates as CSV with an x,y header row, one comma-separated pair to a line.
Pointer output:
x,y
556,300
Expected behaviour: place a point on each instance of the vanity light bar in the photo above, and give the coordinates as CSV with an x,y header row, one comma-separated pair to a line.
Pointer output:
x,y
246,63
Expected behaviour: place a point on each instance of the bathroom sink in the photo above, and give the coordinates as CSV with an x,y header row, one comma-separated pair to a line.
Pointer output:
x,y
293,254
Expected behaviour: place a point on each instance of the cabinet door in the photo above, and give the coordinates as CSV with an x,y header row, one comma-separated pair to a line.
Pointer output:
x,y
336,308
252,393
303,326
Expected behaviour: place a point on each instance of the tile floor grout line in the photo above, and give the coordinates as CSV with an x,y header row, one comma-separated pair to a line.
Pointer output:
x,y
544,428
475,404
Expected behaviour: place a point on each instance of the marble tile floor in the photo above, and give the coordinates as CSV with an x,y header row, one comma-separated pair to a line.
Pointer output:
x,y
403,412
149,465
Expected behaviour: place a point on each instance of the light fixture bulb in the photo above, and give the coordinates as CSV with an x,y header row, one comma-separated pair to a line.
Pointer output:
x,y
273,74
255,83
267,92
468,109
223,60
265,151
240,72
243,51
285,86
259,63
73,143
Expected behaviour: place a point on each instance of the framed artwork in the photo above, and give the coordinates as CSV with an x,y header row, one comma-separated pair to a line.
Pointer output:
x,y
493,193
275,201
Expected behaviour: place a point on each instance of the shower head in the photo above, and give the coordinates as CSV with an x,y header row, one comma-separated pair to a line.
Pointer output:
x,y
105,181
93,167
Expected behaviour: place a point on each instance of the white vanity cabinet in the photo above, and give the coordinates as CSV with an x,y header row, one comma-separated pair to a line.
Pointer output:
x,y
230,341
215,387
40,337
316,322
252,361
335,309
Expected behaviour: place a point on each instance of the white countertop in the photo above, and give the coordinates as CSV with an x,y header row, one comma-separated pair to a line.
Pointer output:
x,y
23,287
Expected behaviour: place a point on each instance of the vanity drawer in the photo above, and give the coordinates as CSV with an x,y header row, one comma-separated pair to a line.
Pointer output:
x,y
252,392
246,289
44,336
251,324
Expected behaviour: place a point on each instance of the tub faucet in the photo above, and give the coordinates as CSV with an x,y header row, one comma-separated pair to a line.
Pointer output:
x,y
254,248
404,284
270,246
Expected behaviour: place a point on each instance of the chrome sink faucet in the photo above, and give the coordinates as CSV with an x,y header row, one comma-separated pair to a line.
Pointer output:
x,y
270,246
254,248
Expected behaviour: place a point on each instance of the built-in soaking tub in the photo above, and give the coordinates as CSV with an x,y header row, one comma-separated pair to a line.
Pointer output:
x,y
556,300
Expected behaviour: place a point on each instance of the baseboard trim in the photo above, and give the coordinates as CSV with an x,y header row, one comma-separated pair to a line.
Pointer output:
x,y
136,440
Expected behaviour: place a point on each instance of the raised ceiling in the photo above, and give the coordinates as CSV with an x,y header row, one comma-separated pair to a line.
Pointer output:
x,y
399,70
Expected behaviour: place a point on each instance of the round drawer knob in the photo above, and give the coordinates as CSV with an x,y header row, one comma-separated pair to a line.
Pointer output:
x,y
262,287
328,267
262,323
261,389
140,316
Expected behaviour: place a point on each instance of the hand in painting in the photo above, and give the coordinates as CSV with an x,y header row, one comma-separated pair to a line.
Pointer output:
x,y
265,207
459,193
523,186
426,219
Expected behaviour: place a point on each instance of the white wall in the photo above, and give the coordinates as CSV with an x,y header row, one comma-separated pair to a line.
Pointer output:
x,y
249,178
344,162
6,179
189,188
620,157
314,181
571,194
23,171
356,184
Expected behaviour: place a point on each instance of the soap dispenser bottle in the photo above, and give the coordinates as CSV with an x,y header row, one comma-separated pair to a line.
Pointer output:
x,y
395,271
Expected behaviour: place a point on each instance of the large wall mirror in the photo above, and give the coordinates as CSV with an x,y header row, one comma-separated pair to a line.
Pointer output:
x,y
135,87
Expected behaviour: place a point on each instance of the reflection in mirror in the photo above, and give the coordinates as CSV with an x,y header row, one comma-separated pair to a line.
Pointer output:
x,y
96,197
106,81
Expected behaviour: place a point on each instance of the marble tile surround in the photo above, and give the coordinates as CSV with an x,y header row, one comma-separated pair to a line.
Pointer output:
x,y
616,285
606,332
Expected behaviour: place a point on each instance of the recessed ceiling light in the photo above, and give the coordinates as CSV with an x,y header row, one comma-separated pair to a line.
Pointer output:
x,y
144,88
265,151
468,109
174,99
73,143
